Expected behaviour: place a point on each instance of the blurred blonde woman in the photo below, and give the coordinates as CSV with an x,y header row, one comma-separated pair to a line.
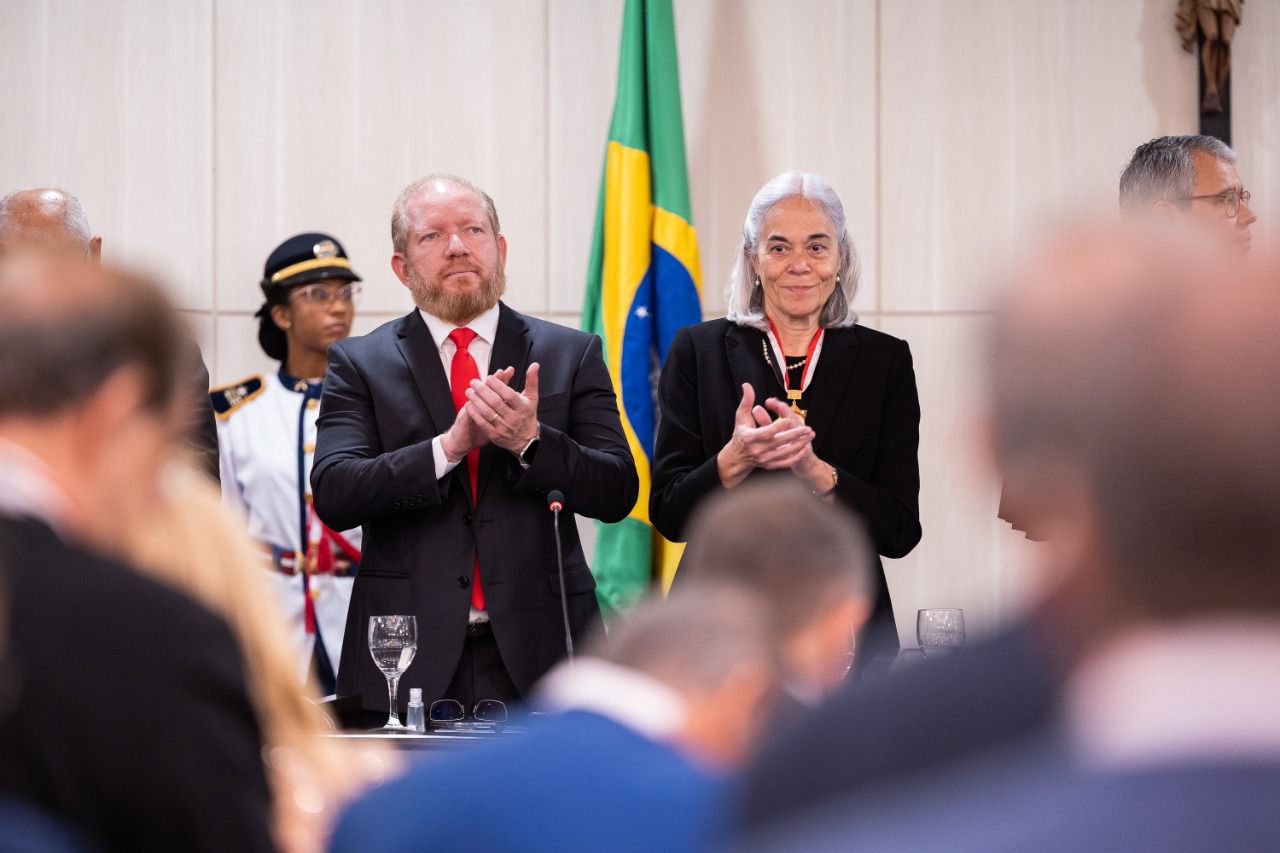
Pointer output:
x,y
195,544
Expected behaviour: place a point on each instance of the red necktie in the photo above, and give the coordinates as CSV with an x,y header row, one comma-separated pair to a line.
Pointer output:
x,y
461,371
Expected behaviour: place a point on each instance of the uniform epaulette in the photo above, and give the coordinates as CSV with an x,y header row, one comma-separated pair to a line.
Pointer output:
x,y
227,398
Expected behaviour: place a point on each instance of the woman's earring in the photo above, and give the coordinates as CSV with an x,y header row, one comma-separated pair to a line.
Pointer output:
x,y
757,281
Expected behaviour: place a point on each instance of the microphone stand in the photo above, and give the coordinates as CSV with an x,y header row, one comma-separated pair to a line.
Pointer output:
x,y
555,501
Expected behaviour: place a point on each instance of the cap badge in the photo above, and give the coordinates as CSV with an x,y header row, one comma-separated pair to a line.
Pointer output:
x,y
325,249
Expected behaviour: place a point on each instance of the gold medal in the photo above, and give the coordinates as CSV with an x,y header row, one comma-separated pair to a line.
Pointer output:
x,y
794,395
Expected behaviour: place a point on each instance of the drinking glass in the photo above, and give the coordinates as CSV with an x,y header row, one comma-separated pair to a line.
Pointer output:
x,y
393,641
940,630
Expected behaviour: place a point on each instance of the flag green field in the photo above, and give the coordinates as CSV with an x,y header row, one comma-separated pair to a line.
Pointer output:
x,y
644,281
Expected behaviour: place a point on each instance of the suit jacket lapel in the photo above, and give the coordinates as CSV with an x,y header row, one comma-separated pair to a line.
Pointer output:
x,y
422,357
831,380
511,348
747,364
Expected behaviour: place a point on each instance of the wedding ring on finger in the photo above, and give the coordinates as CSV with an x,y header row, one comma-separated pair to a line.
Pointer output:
x,y
493,418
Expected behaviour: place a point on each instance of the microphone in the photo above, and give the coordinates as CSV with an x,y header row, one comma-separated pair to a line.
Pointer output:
x,y
555,503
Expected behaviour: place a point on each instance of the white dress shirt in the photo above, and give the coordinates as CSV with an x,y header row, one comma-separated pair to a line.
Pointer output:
x,y
1201,690
486,328
627,697
28,489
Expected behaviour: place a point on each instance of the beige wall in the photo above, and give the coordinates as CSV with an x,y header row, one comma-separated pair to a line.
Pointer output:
x,y
201,132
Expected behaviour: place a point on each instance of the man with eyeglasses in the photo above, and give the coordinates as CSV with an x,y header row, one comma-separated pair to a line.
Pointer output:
x,y
443,432
267,430
1193,179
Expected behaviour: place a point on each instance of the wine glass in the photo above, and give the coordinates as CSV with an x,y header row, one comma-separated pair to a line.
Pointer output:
x,y
393,641
940,630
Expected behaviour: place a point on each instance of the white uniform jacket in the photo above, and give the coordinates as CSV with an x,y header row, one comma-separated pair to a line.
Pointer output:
x,y
266,438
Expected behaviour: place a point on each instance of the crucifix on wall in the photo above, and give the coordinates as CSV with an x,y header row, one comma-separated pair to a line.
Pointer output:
x,y
1211,25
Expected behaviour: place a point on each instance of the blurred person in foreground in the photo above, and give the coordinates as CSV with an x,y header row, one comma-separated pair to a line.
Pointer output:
x,y
49,220
311,776
632,756
267,433
1003,686
441,433
1184,183
129,717
788,385
809,559
1144,443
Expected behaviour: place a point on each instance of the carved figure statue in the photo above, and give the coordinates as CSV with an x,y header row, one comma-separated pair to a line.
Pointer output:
x,y
1218,20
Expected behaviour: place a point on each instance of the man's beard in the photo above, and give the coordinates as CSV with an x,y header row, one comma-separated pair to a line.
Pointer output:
x,y
451,306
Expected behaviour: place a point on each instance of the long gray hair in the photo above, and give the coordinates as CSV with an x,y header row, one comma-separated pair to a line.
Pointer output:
x,y
745,301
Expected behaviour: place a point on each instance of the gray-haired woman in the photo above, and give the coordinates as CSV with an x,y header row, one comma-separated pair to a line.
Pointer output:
x,y
789,384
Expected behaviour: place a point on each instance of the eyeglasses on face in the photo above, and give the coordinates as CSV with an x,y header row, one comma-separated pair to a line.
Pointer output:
x,y
325,294
1229,200
490,711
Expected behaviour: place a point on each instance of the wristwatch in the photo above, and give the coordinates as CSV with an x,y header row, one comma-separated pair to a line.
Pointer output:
x,y
835,481
526,454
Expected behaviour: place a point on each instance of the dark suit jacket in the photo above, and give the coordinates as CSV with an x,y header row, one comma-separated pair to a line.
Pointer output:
x,y
1035,797
385,397
126,715
573,782
872,735
862,406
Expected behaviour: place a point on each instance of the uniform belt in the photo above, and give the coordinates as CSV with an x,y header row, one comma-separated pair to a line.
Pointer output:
x,y
287,563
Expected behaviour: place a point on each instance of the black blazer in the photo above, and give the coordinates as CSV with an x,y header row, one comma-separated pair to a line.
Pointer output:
x,y
862,405
122,704
385,397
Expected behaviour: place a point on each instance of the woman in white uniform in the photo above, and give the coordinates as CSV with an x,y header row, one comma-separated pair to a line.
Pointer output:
x,y
267,434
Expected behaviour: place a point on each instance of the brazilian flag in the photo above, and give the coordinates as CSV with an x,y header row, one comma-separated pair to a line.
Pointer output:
x,y
644,281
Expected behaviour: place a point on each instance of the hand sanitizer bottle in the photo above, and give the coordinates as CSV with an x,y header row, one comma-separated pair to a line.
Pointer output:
x,y
416,719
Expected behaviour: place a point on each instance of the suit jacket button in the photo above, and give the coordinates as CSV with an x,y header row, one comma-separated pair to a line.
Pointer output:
x,y
463,582
466,519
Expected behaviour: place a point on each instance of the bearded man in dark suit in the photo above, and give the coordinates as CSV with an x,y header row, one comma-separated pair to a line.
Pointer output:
x,y
442,433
